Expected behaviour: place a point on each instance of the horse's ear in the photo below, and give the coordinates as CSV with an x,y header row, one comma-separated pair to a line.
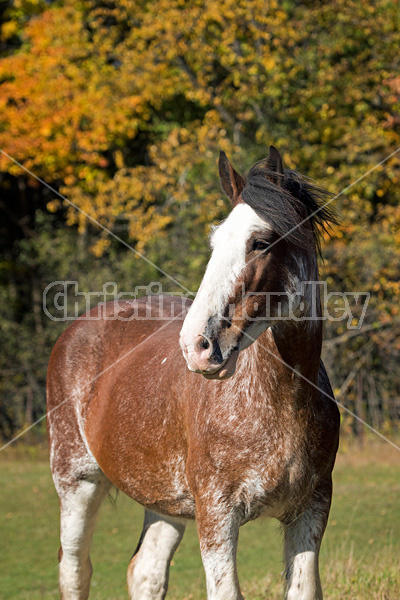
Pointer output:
x,y
232,183
275,166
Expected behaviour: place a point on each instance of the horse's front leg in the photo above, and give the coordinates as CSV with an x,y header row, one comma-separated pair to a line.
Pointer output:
x,y
303,536
218,528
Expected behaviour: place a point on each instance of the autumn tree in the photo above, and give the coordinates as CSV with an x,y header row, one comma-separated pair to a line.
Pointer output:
x,y
124,106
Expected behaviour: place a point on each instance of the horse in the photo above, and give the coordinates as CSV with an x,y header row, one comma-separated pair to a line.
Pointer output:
x,y
221,419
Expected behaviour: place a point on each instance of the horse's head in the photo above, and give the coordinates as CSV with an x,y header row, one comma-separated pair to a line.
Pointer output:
x,y
260,255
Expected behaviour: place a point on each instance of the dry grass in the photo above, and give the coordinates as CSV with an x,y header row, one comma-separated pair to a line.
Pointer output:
x,y
359,556
373,451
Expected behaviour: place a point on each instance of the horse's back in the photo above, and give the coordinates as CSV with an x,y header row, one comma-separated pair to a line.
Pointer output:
x,y
115,330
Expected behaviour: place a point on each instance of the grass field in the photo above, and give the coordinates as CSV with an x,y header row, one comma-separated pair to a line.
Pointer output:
x,y
360,556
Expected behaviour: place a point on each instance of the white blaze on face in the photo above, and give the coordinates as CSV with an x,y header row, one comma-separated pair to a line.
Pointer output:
x,y
224,269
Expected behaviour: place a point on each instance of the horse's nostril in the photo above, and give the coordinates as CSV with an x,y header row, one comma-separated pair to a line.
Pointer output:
x,y
204,344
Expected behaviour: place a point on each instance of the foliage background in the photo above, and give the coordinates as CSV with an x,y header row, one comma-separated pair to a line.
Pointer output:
x,y
123,107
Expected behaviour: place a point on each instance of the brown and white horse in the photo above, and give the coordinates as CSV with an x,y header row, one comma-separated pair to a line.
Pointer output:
x,y
242,424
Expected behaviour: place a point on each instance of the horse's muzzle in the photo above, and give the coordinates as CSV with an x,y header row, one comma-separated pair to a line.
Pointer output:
x,y
204,356
227,370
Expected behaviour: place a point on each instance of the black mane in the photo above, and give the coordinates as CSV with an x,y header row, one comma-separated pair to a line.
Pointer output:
x,y
285,207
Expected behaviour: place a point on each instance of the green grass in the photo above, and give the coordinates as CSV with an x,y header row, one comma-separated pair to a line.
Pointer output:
x,y
359,556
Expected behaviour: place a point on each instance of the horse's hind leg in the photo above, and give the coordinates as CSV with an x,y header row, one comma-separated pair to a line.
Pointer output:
x,y
79,503
148,570
303,538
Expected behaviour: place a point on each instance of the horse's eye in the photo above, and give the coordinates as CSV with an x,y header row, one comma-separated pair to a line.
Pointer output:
x,y
260,245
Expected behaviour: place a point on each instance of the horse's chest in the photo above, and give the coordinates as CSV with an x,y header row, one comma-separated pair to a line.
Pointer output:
x,y
268,469
275,483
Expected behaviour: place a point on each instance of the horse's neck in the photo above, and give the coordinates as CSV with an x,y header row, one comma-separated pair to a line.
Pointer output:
x,y
293,347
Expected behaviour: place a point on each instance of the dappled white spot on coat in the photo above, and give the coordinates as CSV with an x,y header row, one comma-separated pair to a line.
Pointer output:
x,y
163,361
